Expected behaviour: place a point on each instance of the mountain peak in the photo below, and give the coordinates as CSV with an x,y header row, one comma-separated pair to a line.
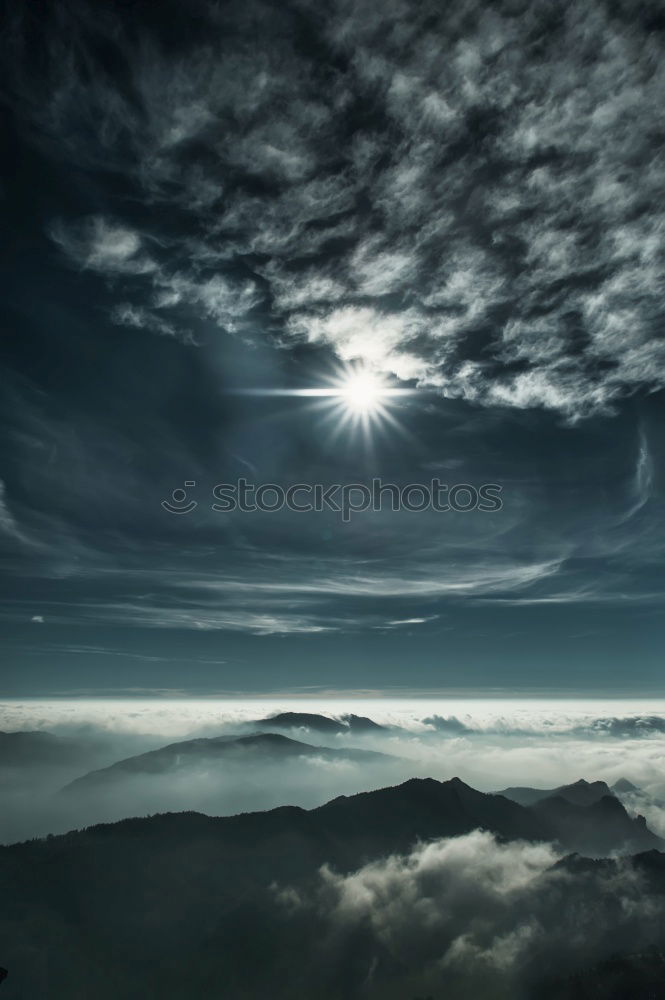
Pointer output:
x,y
457,783
624,785
580,792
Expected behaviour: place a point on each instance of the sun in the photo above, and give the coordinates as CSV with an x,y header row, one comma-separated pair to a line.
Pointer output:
x,y
353,398
360,400
361,392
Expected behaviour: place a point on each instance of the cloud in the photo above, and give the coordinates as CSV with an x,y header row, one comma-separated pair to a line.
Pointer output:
x,y
8,525
379,339
198,617
113,250
448,726
644,478
487,222
491,745
410,621
484,918
305,600
103,245
125,314
627,727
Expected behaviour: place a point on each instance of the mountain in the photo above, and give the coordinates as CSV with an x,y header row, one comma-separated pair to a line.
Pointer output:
x,y
637,976
391,819
581,793
355,724
650,863
623,786
222,750
302,720
361,724
218,856
350,830
599,828
184,904
586,817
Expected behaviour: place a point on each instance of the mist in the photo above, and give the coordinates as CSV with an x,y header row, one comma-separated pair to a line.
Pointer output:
x,y
485,918
489,745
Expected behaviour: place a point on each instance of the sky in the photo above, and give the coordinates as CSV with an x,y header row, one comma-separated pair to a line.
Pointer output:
x,y
215,213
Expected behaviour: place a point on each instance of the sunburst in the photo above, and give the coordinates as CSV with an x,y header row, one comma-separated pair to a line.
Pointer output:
x,y
354,398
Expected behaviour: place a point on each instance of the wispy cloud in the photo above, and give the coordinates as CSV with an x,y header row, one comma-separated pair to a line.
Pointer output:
x,y
643,478
8,523
103,245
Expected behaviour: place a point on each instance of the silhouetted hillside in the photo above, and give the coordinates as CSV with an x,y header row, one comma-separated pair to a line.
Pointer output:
x,y
391,819
190,754
581,793
361,724
187,905
600,828
623,785
354,724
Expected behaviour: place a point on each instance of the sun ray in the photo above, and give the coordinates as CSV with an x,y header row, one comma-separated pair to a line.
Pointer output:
x,y
355,400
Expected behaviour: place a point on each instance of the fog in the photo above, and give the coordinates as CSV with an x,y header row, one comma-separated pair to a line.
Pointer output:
x,y
487,919
490,744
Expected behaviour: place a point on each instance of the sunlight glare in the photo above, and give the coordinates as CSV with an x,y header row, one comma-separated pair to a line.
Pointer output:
x,y
362,392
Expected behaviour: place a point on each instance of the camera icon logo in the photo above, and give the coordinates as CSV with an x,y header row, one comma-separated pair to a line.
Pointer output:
x,y
178,503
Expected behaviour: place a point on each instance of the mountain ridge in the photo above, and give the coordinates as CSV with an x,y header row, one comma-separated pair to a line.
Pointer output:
x,y
246,747
173,904
393,818
580,792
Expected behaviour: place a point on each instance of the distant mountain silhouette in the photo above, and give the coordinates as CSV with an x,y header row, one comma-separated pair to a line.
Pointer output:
x,y
581,793
392,819
302,720
179,757
599,828
361,724
586,817
650,862
350,830
623,785
320,723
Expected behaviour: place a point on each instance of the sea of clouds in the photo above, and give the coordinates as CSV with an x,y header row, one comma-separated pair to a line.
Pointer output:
x,y
490,744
